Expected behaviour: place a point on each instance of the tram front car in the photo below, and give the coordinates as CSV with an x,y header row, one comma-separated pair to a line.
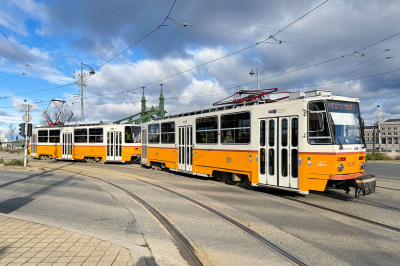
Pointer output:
x,y
337,154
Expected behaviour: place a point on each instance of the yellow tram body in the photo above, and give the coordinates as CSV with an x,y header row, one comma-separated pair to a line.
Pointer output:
x,y
309,142
90,141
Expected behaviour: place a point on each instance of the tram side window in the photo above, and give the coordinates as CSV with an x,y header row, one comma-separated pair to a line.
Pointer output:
x,y
154,133
132,134
207,130
43,136
54,136
318,137
80,135
96,135
168,132
235,128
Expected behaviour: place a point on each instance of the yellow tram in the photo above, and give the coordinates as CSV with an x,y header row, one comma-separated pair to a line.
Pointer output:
x,y
308,142
90,141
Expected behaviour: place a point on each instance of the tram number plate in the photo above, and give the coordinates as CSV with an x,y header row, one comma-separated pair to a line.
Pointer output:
x,y
351,164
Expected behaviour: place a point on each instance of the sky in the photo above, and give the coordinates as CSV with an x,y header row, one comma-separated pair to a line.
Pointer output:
x,y
45,41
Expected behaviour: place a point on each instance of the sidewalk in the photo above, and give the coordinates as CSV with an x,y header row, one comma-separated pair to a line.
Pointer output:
x,y
28,243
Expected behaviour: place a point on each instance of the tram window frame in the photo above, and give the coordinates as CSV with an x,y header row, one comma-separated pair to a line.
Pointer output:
x,y
168,133
80,137
134,133
95,136
153,138
206,132
326,124
43,138
53,136
236,128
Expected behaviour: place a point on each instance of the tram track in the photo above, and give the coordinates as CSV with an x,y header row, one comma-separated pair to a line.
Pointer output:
x,y
391,188
179,238
367,220
357,201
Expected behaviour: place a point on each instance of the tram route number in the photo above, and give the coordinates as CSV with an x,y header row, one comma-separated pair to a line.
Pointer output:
x,y
351,164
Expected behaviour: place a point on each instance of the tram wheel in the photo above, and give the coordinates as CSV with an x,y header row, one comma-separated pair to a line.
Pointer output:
x,y
222,176
247,182
357,195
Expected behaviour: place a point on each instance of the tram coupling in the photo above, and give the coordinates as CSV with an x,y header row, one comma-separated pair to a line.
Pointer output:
x,y
363,185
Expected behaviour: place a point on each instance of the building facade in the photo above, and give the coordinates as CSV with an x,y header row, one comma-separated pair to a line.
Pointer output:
x,y
3,138
388,137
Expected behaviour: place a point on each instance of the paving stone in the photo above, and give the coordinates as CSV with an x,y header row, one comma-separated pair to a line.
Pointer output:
x,y
31,244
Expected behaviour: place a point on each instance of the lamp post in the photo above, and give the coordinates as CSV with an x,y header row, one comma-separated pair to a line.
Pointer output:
x,y
91,73
379,128
252,72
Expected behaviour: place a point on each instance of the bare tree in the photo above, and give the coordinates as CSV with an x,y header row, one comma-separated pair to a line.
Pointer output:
x,y
64,116
11,132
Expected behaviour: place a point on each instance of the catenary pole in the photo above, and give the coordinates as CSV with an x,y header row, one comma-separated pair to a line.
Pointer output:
x,y
81,93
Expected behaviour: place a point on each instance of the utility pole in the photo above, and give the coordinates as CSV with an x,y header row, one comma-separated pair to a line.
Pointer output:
x,y
252,72
82,79
26,118
379,128
373,138
81,93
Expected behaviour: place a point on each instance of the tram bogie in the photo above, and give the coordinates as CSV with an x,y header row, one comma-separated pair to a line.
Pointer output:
x,y
312,140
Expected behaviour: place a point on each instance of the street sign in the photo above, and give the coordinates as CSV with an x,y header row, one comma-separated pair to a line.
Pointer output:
x,y
27,118
27,107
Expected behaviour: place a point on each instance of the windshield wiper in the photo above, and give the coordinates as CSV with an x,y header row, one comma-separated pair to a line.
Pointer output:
x,y
334,132
362,131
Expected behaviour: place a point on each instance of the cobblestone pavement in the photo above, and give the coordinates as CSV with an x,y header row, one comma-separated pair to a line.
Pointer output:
x,y
30,244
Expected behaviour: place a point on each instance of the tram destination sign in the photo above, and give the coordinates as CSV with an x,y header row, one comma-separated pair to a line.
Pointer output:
x,y
343,107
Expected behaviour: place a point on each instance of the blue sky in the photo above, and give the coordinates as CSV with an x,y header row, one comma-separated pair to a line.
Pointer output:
x,y
57,35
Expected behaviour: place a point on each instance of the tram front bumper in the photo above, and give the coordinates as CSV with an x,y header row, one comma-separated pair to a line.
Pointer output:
x,y
346,177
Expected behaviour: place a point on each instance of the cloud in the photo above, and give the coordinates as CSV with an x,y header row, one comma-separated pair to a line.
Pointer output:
x,y
72,32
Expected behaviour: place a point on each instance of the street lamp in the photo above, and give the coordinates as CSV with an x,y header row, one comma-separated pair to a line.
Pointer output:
x,y
252,72
91,73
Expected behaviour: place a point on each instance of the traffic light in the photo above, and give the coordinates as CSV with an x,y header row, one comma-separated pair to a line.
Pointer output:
x,y
29,131
22,129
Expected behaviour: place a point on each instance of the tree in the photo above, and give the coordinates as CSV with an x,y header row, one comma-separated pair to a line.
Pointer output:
x,y
11,130
65,114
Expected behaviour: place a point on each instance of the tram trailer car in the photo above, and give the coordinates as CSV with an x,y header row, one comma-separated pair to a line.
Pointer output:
x,y
311,141
90,141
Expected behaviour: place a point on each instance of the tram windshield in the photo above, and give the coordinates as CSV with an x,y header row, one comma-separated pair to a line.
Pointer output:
x,y
346,119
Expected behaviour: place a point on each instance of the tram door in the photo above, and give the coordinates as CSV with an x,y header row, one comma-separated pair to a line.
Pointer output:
x,y
185,148
267,153
144,146
278,151
114,145
67,145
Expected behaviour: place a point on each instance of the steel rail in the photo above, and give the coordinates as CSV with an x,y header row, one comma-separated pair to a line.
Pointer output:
x,y
357,201
238,224
246,229
391,188
392,228
179,238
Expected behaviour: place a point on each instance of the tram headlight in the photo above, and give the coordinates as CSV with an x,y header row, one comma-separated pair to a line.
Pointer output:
x,y
340,167
362,165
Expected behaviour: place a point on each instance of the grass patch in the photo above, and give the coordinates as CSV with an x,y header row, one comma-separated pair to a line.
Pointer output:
x,y
377,156
12,162
12,151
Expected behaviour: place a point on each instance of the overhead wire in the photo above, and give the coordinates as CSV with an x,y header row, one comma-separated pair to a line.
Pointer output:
x,y
259,26
11,62
140,39
386,50
16,48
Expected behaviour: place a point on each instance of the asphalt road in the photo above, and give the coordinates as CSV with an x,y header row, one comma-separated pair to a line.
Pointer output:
x,y
317,236
385,170
87,205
